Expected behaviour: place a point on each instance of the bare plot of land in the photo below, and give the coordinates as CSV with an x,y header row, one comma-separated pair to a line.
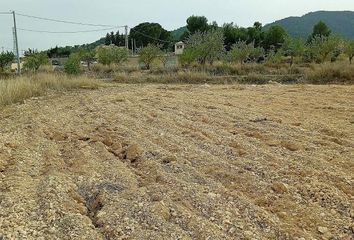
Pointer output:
x,y
180,162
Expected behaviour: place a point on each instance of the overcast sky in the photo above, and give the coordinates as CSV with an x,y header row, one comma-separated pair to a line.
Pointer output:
x,y
170,14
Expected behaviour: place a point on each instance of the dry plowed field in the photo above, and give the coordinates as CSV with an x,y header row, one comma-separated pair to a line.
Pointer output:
x,y
180,162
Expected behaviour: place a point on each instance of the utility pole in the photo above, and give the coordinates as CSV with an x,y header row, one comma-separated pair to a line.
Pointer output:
x,y
126,38
16,44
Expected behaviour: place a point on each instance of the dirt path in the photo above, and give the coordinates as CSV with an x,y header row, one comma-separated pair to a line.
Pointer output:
x,y
180,162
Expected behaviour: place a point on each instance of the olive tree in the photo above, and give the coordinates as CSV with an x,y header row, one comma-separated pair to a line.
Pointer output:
x,y
87,56
322,47
112,54
5,59
294,47
206,46
275,57
35,60
241,51
349,50
149,54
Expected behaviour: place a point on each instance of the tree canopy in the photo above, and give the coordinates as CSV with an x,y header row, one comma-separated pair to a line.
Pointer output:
x,y
320,30
275,37
5,59
149,54
197,24
150,33
206,46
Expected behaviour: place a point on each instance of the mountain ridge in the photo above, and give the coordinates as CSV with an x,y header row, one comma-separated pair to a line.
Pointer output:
x,y
340,22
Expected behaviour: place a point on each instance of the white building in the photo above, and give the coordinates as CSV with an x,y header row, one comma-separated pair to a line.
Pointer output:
x,y
14,66
179,47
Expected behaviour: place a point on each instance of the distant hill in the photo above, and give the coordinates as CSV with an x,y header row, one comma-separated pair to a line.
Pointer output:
x,y
340,22
176,34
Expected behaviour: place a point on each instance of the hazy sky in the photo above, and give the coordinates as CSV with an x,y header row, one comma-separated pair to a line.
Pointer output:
x,y
170,14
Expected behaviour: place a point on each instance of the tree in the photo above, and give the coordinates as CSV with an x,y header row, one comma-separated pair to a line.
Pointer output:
x,y
294,47
255,34
322,47
229,31
349,50
207,46
119,39
35,60
109,55
233,34
88,56
149,54
241,51
112,37
275,57
320,30
5,59
107,40
185,36
164,59
275,37
256,53
213,26
258,26
188,57
150,33
119,55
197,24
72,65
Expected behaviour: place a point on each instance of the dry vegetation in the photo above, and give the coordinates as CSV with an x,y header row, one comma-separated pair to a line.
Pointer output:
x,y
329,73
180,162
14,90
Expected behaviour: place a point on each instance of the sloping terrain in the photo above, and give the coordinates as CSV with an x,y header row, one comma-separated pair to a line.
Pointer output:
x,y
180,162
340,22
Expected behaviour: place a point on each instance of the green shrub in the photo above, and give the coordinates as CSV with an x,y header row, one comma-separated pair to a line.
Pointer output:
x,y
188,57
33,61
5,59
72,66
149,54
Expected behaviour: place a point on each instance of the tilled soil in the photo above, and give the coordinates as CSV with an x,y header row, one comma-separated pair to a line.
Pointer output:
x,y
180,162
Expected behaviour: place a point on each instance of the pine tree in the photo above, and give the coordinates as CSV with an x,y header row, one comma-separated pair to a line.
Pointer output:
x,y
117,39
113,38
122,40
107,40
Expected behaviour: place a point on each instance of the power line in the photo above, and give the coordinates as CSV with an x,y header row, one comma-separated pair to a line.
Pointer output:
x,y
68,32
5,13
67,22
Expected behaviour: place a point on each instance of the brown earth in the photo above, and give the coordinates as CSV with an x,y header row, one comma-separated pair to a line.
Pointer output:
x,y
180,162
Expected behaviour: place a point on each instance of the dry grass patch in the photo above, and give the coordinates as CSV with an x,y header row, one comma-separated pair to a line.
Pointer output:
x,y
18,89
330,73
190,77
